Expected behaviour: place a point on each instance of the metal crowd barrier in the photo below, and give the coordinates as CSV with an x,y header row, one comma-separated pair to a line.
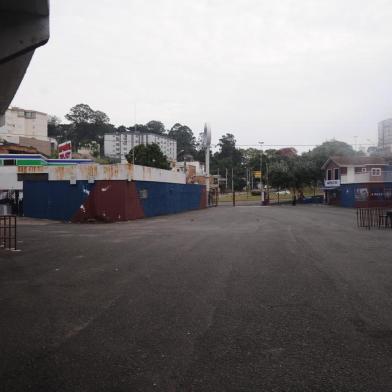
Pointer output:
x,y
374,217
8,232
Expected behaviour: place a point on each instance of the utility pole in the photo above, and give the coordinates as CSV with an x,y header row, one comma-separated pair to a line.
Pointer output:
x,y
134,135
226,182
207,144
267,174
247,182
232,186
218,180
261,173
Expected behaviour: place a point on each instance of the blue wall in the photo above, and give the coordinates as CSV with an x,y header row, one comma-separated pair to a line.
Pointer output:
x,y
167,198
347,195
378,195
57,200
60,200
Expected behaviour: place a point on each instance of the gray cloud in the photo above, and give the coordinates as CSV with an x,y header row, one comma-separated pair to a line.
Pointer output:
x,y
286,72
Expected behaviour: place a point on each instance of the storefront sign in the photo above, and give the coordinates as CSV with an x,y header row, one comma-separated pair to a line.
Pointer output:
x,y
65,150
331,183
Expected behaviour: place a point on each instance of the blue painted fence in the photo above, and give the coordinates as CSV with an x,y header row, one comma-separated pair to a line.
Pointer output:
x,y
59,200
54,199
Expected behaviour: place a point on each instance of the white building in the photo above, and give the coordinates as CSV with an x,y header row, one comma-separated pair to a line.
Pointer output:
x,y
117,145
27,128
196,166
385,135
24,123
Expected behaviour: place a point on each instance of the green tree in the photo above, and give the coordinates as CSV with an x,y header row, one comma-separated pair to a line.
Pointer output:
x,y
61,132
80,113
148,155
87,125
229,157
319,155
280,174
186,141
139,128
122,129
155,127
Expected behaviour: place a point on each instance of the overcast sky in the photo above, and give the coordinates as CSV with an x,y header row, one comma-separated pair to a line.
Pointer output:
x,y
279,71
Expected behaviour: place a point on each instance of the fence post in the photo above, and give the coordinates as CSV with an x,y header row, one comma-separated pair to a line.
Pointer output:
x,y
15,232
1,233
8,232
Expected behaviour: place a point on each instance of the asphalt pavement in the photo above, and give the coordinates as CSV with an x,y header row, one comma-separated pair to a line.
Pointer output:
x,y
226,299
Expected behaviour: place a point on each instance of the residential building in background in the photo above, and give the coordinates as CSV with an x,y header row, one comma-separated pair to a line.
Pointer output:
x,y
24,123
358,181
27,128
118,145
385,135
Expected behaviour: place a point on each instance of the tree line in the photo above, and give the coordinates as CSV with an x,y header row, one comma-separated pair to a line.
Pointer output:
x,y
281,168
86,127
286,168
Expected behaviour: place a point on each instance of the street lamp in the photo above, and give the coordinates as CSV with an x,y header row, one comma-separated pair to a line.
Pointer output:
x,y
261,168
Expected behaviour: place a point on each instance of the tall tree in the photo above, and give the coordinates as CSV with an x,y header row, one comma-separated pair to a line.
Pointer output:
x,y
87,125
155,127
53,126
80,113
186,141
122,129
148,155
229,157
318,156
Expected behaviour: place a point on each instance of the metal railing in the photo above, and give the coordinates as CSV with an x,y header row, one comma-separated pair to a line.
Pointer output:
x,y
374,217
8,232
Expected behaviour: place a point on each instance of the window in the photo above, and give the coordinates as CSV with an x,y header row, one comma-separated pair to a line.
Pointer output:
x,y
376,171
329,174
29,114
363,169
336,174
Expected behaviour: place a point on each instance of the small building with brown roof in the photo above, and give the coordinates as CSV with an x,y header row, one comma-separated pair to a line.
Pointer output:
x,y
358,181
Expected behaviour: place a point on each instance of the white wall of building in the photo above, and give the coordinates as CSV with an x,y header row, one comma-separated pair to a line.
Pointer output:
x,y
349,178
9,179
118,145
27,123
199,167
95,172
92,173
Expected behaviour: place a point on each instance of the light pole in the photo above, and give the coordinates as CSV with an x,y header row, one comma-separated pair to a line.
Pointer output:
x,y
261,178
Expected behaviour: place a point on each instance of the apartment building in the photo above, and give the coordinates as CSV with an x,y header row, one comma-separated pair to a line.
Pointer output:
x,y
385,136
117,145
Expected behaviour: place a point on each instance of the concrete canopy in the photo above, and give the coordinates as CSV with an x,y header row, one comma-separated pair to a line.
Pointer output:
x,y
24,26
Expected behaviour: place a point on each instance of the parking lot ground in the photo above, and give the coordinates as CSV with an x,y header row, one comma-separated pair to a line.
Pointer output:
x,y
226,299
